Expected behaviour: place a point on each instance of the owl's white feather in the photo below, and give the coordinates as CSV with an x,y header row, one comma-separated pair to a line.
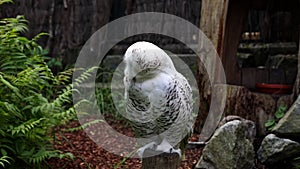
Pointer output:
x,y
158,98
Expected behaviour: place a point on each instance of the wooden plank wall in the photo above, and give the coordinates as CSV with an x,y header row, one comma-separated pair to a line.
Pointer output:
x,y
251,76
70,23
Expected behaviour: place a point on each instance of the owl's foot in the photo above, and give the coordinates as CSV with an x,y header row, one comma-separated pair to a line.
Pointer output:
x,y
166,147
141,150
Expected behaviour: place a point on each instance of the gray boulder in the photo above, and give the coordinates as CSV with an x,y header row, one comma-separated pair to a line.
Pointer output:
x,y
274,149
229,148
289,124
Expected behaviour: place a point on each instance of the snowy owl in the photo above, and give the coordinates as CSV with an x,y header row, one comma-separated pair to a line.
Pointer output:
x,y
158,99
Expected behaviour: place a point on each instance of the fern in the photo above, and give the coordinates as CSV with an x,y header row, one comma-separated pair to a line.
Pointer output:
x,y
26,126
14,89
32,99
64,77
85,75
5,160
5,1
43,154
14,49
83,126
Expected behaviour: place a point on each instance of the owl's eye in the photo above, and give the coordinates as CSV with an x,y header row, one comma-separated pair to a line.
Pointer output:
x,y
147,70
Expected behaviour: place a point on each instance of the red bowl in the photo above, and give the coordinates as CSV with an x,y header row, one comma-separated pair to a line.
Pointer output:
x,y
274,88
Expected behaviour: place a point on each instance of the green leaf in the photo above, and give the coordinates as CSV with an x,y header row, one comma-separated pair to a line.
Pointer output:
x,y
3,152
270,123
10,86
282,108
4,159
5,1
279,114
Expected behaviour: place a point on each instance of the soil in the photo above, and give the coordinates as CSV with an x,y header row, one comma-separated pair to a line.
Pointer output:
x,y
87,154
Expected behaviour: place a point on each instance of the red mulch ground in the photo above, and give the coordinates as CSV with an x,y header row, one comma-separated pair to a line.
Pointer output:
x,y
89,155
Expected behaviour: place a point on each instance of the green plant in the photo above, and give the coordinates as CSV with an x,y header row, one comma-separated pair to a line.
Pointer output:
x,y
107,106
32,100
5,1
270,124
4,159
83,126
296,162
54,63
104,93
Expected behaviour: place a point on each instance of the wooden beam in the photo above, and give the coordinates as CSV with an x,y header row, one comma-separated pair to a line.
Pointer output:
x,y
237,13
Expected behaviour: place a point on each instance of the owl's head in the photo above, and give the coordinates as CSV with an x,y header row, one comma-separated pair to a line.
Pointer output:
x,y
146,59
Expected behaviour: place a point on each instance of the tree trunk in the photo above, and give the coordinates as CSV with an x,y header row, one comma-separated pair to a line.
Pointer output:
x,y
212,23
161,161
296,89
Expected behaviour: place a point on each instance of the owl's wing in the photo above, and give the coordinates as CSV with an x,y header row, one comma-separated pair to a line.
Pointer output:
x,y
177,120
137,107
165,106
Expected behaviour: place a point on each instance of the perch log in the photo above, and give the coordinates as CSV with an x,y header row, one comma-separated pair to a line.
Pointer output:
x,y
161,161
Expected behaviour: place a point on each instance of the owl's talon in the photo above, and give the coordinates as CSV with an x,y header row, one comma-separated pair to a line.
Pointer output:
x,y
166,147
141,150
178,151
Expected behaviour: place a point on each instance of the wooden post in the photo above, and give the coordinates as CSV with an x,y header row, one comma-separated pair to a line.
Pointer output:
x,y
212,23
236,16
296,89
222,22
161,161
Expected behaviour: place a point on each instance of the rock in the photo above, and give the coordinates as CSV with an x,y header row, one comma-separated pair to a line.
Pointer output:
x,y
229,148
289,124
250,125
229,118
274,149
